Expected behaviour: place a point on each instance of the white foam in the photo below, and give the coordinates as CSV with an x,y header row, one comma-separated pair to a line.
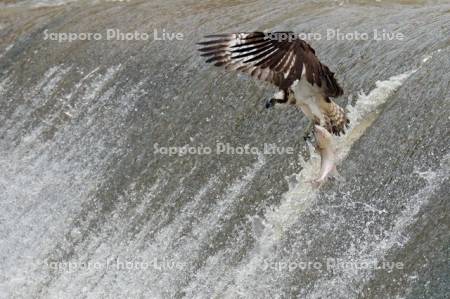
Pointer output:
x,y
44,184
34,99
231,194
157,283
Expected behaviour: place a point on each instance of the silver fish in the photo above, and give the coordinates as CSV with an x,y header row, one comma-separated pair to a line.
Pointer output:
x,y
327,151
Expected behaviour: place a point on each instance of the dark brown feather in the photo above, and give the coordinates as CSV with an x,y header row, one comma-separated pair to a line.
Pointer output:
x,y
279,62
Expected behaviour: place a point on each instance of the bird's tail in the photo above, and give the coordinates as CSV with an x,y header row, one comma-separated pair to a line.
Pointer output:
x,y
336,120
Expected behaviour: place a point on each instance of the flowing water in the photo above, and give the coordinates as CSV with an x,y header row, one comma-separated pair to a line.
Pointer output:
x,y
90,209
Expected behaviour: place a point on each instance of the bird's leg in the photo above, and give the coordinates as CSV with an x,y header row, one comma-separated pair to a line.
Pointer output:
x,y
279,97
308,130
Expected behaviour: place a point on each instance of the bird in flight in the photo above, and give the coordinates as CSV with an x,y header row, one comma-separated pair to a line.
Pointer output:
x,y
288,62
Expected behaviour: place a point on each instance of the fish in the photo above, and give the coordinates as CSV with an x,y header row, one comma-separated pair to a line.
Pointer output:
x,y
326,148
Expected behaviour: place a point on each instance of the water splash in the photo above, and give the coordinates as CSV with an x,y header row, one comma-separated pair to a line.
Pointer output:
x,y
302,194
346,280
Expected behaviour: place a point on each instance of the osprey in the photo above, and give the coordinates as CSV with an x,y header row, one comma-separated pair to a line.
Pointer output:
x,y
289,63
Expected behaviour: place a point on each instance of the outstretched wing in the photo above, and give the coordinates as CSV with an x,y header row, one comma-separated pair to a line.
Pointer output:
x,y
278,58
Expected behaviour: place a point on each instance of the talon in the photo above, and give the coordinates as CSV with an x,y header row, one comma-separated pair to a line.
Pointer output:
x,y
307,136
270,103
308,131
